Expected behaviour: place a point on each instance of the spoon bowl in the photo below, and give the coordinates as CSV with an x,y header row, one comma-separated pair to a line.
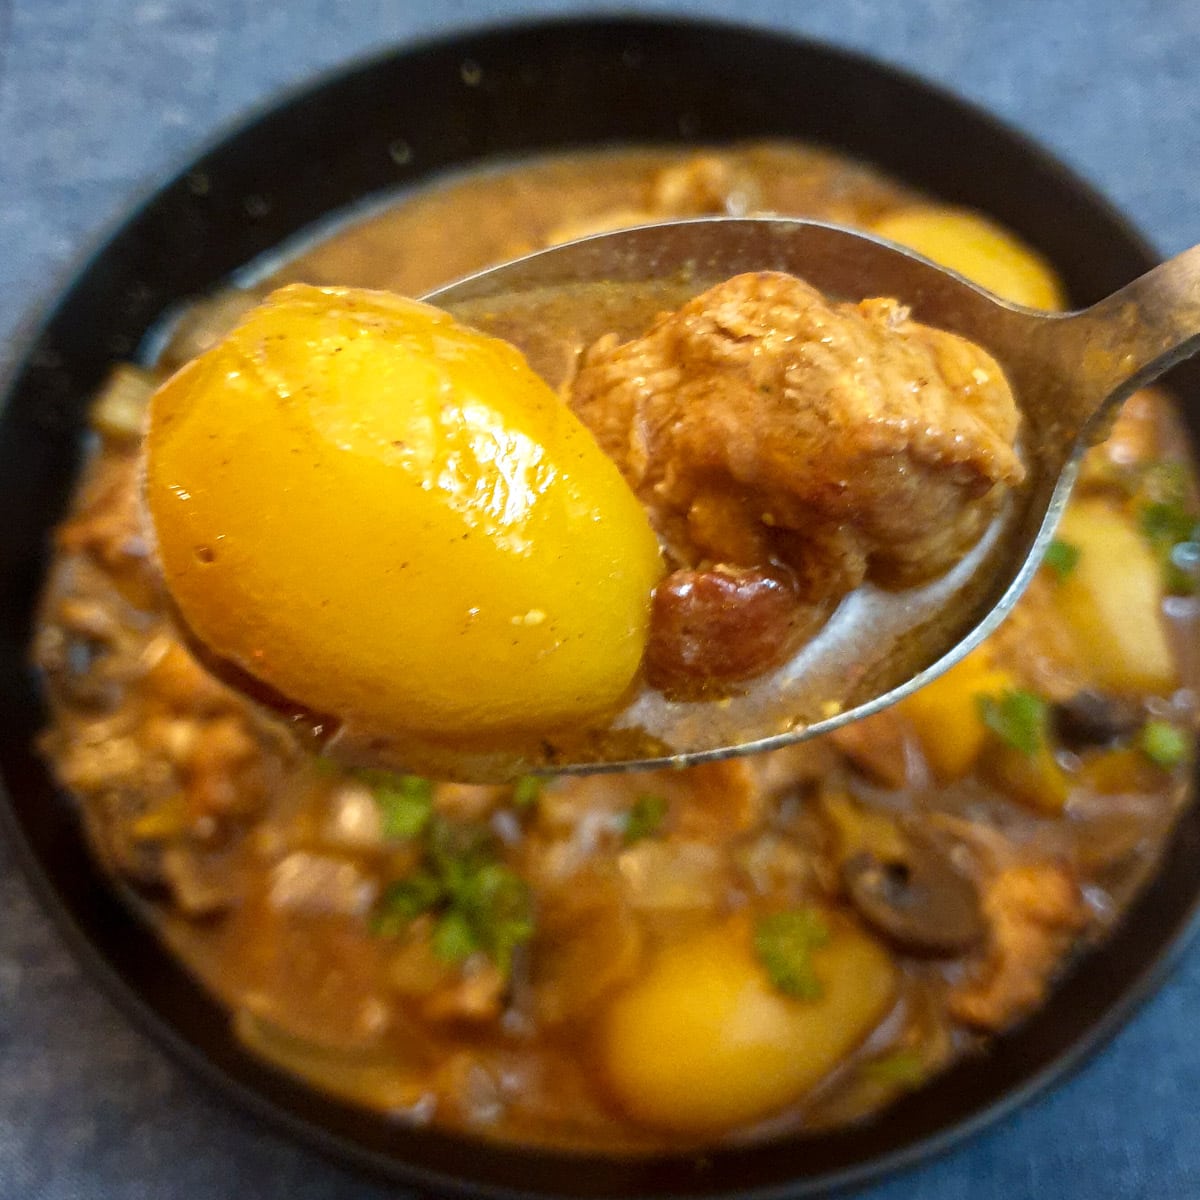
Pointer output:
x,y
1069,372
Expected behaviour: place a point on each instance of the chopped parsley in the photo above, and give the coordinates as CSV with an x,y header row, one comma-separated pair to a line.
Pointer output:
x,y
495,910
405,900
1164,744
645,817
901,1068
784,942
1017,718
454,940
478,904
1062,558
405,802
527,791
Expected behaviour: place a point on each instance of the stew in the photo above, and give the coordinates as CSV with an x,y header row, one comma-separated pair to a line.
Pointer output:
x,y
638,962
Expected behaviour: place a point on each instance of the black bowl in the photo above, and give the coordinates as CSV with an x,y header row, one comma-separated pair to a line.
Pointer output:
x,y
493,94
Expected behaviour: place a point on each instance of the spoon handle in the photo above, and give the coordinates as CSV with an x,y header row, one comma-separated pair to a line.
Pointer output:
x,y
1128,339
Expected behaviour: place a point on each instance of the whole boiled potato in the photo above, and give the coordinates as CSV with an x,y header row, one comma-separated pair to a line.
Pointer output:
x,y
388,517
967,242
704,1042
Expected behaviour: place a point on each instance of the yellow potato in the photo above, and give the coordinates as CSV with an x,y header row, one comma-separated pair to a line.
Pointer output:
x,y
704,1042
945,713
859,830
973,246
1113,600
1034,779
389,517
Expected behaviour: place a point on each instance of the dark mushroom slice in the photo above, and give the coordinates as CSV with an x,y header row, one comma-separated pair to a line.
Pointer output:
x,y
1093,718
919,901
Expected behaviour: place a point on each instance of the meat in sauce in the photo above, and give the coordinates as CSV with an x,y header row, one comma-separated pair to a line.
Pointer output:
x,y
761,424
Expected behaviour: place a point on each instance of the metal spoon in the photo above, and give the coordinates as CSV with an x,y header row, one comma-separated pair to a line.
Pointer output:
x,y
1069,373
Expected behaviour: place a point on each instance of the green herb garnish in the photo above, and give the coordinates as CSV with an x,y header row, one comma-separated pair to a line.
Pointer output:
x,y
527,791
1164,744
454,940
1062,558
496,907
479,904
1017,717
901,1068
784,943
645,818
405,802
405,900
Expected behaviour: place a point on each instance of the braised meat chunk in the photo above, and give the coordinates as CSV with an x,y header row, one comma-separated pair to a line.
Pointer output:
x,y
761,424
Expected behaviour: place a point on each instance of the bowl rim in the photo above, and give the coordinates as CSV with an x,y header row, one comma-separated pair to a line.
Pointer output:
x,y
623,1178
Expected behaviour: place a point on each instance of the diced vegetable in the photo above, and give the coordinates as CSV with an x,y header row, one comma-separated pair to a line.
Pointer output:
x,y
405,900
318,884
1017,717
527,791
1164,744
1113,599
1125,769
946,714
973,246
645,818
704,1041
1034,779
1021,759
119,411
1061,557
453,938
861,831
405,803
784,943
479,904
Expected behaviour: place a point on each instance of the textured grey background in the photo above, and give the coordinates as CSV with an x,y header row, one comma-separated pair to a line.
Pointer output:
x,y
98,98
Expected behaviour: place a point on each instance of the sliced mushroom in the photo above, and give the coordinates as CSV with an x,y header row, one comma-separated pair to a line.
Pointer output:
x,y
1093,718
918,900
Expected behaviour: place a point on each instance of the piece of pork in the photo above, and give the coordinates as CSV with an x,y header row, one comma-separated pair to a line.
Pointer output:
x,y
761,423
1034,913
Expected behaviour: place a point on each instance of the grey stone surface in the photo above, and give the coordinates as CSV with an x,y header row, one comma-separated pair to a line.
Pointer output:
x,y
98,98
